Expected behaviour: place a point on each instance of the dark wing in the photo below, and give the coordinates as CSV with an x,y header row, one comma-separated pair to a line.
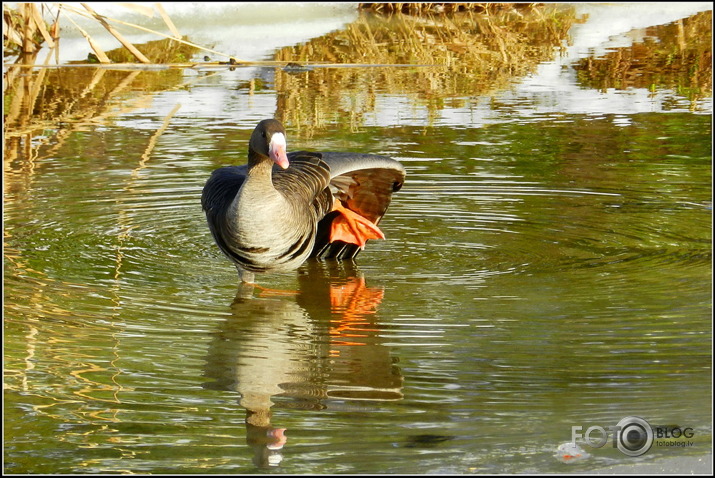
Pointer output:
x,y
364,183
305,182
216,198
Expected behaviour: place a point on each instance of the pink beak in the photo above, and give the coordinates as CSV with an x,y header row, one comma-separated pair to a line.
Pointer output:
x,y
277,150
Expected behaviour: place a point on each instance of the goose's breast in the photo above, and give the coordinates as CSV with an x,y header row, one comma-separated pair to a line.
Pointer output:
x,y
273,234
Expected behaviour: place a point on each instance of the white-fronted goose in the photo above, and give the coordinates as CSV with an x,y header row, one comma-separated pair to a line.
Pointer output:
x,y
279,209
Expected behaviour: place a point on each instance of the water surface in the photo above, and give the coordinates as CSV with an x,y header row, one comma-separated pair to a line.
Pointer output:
x,y
547,265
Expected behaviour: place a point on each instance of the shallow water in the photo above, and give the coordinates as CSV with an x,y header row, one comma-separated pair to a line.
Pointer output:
x,y
544,268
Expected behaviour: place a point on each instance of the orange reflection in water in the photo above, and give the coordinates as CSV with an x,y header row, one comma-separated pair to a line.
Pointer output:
x,y
351,303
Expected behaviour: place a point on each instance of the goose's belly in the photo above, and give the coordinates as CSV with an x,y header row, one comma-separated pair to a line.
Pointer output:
x,y
270,238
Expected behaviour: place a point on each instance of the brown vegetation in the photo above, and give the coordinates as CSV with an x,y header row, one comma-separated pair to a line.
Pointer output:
x,y
419,8
25,30
435,60
676,56
442,58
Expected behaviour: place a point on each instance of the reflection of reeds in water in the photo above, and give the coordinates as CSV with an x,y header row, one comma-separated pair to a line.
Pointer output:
x,y
63,101
45,107
158,52
42,99
419,8
677,56
454,56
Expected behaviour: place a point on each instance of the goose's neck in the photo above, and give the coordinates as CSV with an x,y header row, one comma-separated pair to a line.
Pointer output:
x,y
257,192
260,169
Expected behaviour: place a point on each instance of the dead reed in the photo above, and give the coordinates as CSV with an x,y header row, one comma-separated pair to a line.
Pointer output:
x,y
454,57
420,8
25,30
677,56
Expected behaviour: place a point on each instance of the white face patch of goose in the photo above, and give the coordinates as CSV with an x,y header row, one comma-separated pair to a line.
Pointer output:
x,y
278,139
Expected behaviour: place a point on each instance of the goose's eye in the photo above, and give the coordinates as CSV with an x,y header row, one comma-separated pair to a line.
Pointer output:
x,y
263,134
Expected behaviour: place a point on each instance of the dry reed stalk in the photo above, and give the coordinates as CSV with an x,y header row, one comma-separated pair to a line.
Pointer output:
x,y
127,44
138,8
426,8
27,33
101,56
460,56
148,30
9,31
40,24
167,20
21,26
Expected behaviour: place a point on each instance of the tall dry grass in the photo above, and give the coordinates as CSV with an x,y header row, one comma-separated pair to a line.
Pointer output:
x,y
443,58
676,56
25,31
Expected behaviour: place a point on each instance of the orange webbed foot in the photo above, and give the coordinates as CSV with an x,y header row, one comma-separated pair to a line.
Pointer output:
x,y
353,228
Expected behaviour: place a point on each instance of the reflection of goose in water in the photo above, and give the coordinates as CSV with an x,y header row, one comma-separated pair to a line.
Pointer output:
x,y
360,367
320,348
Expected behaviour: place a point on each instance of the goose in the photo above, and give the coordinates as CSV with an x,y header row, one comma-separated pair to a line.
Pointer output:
x,y
279,209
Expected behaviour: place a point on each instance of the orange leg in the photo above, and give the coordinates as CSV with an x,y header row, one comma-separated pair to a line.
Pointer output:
x,y
353,228
266,292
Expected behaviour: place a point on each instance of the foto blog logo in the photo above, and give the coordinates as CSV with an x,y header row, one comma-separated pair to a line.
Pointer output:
x,y
633,436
